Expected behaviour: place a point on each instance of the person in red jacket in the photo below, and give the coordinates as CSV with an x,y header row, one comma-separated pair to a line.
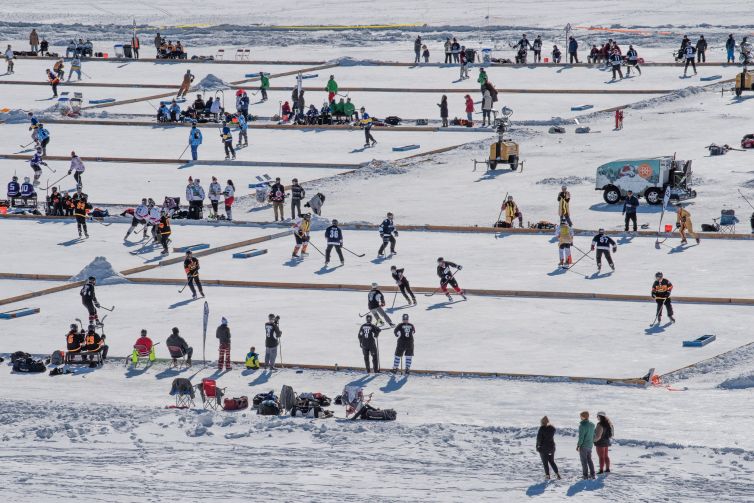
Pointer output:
x,y
144,345
469,108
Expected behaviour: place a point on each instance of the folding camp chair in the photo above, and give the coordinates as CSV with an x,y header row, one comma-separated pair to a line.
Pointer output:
x,y
183,391
239,54
246,54
140,353
354,400
178,356
212,396
727,221
220,54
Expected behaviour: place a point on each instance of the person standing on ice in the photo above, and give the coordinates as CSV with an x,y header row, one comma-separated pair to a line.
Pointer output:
x,y
564,204
277,198
584,445
9,60
34,40
368,333
402,281
447,277
301,231
564,233
366,122
661,290
405,332
272,335
616,60
376,304
537,48
188,78
684,225
632,60
388,233
230,195
701,49
602,435
417,49
630,205
331,88
195,139
223,336
264,85
469,107
603,244
227,138
689,53
215,191
730,49
243,126
511,212
444,110
139,218
297,195
165,231
191,268
573,47
89,299
546,447
334,237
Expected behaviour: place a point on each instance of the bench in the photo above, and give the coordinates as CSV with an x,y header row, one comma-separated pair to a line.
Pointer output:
x,y
249,253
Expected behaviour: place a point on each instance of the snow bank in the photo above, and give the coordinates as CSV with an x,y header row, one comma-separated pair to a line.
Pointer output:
x,y
740,382
566,180
211,83
101,269
14,116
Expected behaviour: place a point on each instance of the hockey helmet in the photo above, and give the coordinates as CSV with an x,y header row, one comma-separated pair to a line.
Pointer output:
x,y
440,259
74,326
393,268
390,215
143,200
39,150
563,221
239,92
405,317
307,215
369,318
335,221
658,274
375,285
15,178
91,327
563,188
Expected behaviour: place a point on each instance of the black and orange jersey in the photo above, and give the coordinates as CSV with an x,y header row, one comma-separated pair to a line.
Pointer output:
x,y
81,208
92,341
164,225
191,266
73,340
662,288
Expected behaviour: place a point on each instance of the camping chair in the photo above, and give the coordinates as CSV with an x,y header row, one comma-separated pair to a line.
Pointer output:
x,y
140,353
183,391
178,356
118,49
354,400
727,221
239,54
212,396
220,54
246,54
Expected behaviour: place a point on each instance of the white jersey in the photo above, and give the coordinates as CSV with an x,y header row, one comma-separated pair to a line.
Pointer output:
x,y
154,216
141,212
229,191
9,54
214,191
77,165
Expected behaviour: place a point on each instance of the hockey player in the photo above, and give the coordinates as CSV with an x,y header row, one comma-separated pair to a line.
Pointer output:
x,y
80,209
403,284
164,230
191,267
35,162
43,137
511,212
564,204
334,237
229,193
153,219
301,233
264,84
447,277
376,303
243,126
684,225
139,218
74,339
405,347
272,335
603,244
661,290
27,189
368,334
689,53
564,233
94,342
388,233
77,168
89,299
331,88
616,60
227,139
632,60
367,122
195,139
215,190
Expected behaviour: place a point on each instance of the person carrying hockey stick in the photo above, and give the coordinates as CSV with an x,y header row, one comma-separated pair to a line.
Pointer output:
x,y
89,299
564,233
403,284
376,304
603,244
388,233
661,290
447,277
191,267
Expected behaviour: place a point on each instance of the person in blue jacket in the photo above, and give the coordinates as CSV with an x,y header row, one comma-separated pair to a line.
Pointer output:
x,y
175,111
27,189
573,48
227,138
242,127
163,113
195,139
14,189
43,136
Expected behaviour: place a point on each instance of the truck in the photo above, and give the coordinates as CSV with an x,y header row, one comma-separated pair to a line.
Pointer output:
x,y
649,178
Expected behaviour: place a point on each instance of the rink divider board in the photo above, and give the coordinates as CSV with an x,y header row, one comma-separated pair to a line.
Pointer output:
x,y
18,313
185,61
39,293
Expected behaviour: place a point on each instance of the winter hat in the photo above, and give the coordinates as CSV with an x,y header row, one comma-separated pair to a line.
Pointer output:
x,y
175,330
601,414
375,285
224,320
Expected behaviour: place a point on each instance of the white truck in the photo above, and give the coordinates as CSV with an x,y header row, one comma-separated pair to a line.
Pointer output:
x,y
648,178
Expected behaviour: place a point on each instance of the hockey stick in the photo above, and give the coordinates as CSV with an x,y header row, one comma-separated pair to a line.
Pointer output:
x,y
352,253
184,287
48,167
442,284
745,199
280,344
313,246
579,260
80,323
377,342
582,251
106,309
659,312
184,151
97,220
394,297
24,146
502,206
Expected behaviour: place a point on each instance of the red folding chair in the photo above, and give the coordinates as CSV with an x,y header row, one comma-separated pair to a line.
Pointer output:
x,y
212,396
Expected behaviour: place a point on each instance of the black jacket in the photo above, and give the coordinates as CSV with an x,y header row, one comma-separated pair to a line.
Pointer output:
x,y
630,204
443,108
546,439
178,341
272,335
223,334
297,192
367,333
375,299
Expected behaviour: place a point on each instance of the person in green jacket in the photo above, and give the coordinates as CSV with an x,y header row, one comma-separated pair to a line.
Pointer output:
x,y
482,78
585,444
264,84
349,109
331,88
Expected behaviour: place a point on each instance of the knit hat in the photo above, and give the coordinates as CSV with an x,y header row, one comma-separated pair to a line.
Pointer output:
x,y
601,414
224,320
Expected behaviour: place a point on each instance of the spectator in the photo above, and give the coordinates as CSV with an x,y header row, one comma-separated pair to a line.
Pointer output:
x,y
546,447
175,340
9,60
316,203
730,48
602,435
455,48
277,197
163,113
444,110
229,194
34,40
88,48
630,205
44,48
223,335
71,49
297,195
135,45
425,53
486,108
469,108
573,48
264,84
75,67
417,49
175,111
448,57
584,445
701,48
594,55
537,48
158,41
556,54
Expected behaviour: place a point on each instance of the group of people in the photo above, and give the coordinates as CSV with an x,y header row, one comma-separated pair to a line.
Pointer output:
x,y
81,49
167,49
590,436
195,196
38,45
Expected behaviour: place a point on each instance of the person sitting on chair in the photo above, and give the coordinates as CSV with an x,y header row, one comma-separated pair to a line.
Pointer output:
x,y
74,339
145,346
175,111
27,190
14,190
199,105
176,341
94,342
163,114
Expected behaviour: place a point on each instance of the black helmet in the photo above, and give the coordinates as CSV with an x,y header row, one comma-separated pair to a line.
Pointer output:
x,y
74,326
658,274
405,317
369,318
91,327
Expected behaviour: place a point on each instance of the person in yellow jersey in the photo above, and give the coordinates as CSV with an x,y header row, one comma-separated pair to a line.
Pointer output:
x,y
301,233
684,225
564,233
511,212
564,205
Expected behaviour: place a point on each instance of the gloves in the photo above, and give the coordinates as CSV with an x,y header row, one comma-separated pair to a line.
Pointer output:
x,y
96,304
592,248
615,249
460,267
396,233
677,225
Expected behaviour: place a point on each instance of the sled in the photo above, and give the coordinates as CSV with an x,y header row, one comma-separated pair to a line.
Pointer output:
x,y
405,148
184,249
699,341
580,108
250,253
18,313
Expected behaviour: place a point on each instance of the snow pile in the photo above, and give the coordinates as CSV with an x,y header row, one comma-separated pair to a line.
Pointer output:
x,y
101,269
14,116
668,98
319,223
211,83
349,61
566,180
740,382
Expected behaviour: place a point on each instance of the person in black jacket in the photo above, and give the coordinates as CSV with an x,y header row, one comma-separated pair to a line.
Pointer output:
x,y
701,48
630,204
89,299
176,341
191,268
376,303
444,110
297,195
447,277
546,447
272,335
661,290
387,233
368,333
405,347
604,244
403,284
334,237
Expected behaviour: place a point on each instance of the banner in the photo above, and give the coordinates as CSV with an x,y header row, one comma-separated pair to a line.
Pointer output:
x,y
204,337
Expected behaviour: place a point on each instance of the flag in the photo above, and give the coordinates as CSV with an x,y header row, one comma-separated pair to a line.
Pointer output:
x,y
204,337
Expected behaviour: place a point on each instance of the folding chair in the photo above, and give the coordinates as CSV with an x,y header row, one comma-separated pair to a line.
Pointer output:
x,y
178,356
183,391
239,54
354,400
727,221
140,353
246,54
220,54
212,396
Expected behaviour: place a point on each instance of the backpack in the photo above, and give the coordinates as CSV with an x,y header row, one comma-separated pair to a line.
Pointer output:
x,y
236,403
502,225
29,365
261,397
543,224
268,408
717,150
392,120
370,413
57,357
19,355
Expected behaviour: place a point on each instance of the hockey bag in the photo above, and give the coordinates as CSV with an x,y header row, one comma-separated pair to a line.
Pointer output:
x,y
239,403
268,408
369,413
28,365
57,357
261,397
710,228
392,120
19,355
502,225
